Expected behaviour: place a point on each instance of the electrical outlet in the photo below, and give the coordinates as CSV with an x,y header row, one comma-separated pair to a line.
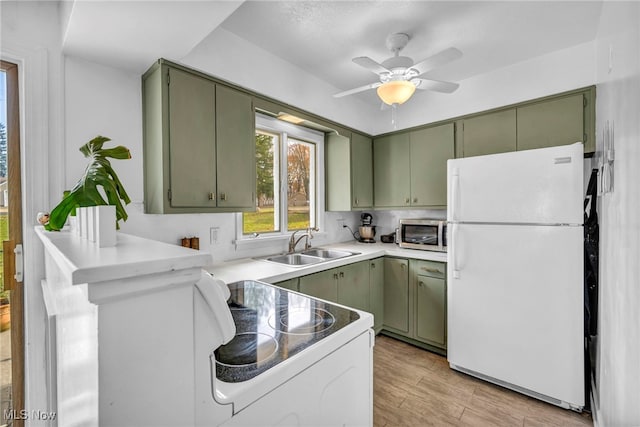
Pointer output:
x,y
213,235
340,221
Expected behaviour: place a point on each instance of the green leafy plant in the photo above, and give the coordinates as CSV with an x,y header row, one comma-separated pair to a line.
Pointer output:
x,y
99,173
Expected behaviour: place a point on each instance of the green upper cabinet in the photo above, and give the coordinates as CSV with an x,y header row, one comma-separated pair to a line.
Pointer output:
x,y
236,145
430,150
348,172
489,133
392,178
361,171
560,119
192,132
199,143
410,168
552,122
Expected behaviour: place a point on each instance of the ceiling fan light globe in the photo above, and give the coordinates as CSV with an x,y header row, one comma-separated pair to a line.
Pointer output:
x,y
396,92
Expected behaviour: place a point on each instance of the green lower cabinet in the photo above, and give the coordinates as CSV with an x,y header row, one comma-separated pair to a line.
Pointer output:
x,y
323,285
415,302
353,285
396,295
291,284
431,310
376,289
359,285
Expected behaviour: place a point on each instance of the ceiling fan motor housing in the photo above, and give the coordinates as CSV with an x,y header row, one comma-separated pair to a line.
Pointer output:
x,y
397,42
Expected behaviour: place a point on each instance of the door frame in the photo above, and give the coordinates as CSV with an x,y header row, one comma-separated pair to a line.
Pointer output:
x,y
15,235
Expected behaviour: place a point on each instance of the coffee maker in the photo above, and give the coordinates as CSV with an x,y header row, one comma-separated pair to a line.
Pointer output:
x,y
366,231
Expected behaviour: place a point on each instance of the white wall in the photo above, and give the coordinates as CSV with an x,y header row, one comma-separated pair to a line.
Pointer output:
x,y
30,37
219,54
618,102
559,71
229,57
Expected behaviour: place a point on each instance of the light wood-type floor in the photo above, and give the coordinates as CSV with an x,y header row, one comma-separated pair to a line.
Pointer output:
x,y
413,387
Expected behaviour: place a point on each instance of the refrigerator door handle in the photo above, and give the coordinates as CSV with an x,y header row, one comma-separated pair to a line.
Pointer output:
x,y
453,249
455,193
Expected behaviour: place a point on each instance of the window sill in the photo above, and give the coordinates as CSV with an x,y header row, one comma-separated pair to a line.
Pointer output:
x,y
265,241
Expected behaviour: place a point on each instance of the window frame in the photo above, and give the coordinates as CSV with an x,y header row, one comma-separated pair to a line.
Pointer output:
x,y
284,130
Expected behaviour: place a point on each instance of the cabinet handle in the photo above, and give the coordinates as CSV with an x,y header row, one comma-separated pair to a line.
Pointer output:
x,y
432,270
373,265
407,200
341,274
415,200
335,275
402,266
223,197
356,202
212,196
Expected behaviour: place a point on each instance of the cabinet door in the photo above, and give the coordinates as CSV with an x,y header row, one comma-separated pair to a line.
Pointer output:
x,y
391,181
490,133
361,171
192,145
430,310
376,292
353,285
337,172
236,149
291,284
323,285
551,123
396,294
430,150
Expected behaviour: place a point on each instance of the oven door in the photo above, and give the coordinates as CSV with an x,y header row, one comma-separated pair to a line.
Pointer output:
x,y
421,235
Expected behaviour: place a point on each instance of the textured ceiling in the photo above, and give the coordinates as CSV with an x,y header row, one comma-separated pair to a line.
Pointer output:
x,y
321,37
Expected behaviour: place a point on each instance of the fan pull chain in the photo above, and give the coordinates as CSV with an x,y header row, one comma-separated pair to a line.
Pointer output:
x,y
394,120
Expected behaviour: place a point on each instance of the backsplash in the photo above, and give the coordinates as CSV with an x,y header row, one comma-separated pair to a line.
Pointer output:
x,y
387,221
172,228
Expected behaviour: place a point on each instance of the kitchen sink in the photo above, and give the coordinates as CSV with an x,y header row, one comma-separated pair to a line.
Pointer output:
x,y
328,253
308,257
295,259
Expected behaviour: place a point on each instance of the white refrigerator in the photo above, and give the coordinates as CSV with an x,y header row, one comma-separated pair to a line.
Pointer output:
x,y
515,271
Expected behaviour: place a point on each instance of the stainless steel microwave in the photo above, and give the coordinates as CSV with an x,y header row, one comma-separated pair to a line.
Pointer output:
x,y
425,234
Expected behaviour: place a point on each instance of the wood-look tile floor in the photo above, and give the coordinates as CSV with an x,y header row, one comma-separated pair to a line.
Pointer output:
x,y
413,387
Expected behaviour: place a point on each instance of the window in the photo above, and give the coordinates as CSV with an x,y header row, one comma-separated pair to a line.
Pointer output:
x,y
287,178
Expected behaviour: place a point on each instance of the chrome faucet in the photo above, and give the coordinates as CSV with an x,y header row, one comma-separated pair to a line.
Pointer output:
x,y
293,242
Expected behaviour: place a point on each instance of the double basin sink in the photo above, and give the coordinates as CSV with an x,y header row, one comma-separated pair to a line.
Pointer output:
x,y
309,256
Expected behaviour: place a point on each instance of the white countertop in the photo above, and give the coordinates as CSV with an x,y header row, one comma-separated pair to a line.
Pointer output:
x,y
84,261
270,272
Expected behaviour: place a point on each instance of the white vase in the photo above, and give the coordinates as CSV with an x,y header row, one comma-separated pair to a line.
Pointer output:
x,y
105,225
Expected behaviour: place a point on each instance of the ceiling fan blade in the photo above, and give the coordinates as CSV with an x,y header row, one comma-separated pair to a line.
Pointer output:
x,y
370,64
358,89
435,85
437,60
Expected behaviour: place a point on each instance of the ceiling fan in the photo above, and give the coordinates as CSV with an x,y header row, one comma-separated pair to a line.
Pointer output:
x,y
400,77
